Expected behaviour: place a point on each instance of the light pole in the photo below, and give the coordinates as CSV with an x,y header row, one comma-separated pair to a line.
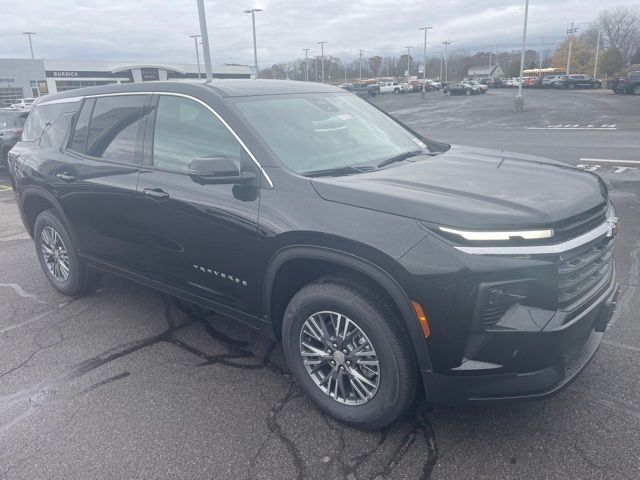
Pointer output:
x,y
315,57
253,11
570,32
360,53
440,77
446,44
30,43
306,63
540,58
205,40
519,103
424,67
195,42
322,57
408,62
595,66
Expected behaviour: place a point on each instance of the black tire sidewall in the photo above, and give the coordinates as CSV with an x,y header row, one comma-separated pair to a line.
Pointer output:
x,y
376,410
75,282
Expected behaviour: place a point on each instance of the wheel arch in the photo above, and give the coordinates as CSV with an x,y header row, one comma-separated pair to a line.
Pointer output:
x,y
273,306
35,200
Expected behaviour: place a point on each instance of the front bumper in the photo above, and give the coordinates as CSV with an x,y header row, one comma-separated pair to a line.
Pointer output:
x,y
575,343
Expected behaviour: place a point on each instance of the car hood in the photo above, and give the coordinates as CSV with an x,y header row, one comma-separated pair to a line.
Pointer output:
x,y
472,188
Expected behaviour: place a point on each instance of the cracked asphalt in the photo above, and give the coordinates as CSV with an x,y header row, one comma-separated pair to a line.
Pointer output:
x,y
130,383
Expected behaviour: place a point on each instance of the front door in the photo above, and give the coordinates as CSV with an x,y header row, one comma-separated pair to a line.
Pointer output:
x,y
201,239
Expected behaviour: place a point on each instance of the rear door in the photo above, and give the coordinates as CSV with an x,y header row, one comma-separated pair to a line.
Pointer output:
x,y
201,239
96,178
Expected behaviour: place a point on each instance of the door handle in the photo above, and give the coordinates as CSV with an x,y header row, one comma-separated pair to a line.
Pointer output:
x,y
156,194
65,177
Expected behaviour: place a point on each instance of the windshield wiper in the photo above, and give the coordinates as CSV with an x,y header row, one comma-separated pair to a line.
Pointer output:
x,y
399,158
334,172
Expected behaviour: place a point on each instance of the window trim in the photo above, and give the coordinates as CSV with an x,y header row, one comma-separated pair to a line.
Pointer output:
x,y
208,107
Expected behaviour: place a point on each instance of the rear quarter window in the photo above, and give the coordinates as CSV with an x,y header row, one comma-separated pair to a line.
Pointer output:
x,y
43,116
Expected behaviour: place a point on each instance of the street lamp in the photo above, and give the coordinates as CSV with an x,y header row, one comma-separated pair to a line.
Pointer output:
x,y
30,43
408,62
424,68
570,32
360,67
322,57
306,63
195,41
446,44
595,66
253,11
540,58
205,40
519,104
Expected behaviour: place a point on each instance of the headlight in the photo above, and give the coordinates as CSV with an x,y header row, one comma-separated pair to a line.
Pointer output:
x,y
505,235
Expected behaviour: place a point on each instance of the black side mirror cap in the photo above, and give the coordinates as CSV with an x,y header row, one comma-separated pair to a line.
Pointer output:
x,y
218,169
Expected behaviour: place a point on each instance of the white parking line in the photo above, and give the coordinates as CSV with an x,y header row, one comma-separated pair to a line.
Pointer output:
x,y
5,188
572,128
608,160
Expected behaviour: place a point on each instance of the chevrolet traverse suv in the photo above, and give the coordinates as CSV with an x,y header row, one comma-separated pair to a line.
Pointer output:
x,y
384,261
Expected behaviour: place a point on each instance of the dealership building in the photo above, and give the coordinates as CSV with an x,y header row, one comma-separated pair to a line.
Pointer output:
x,y
24,78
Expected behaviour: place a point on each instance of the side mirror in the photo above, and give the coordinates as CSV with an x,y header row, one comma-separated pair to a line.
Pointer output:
x,y
217,170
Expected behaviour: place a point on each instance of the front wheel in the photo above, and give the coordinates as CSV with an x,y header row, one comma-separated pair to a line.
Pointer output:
x,y
397,91
636,90
467,92
349,353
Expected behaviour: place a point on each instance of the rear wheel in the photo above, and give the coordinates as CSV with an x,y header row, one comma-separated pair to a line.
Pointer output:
x,y
396,91
467,92
58,256
572,86
636,90
349,353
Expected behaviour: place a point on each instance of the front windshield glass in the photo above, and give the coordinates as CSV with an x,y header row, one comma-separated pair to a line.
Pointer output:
x,y
320,131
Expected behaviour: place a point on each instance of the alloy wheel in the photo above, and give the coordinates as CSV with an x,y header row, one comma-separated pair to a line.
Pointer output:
x,y
339,358
55,253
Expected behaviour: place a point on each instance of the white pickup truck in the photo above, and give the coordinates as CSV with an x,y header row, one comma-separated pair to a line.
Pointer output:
x,y
391,87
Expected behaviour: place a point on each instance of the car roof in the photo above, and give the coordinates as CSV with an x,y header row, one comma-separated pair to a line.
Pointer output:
x,y
222,87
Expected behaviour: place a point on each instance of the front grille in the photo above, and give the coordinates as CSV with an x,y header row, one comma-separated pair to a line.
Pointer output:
x,y
577,225
581,272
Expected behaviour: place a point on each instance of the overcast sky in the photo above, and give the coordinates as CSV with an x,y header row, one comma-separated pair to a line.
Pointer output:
x,y
157,31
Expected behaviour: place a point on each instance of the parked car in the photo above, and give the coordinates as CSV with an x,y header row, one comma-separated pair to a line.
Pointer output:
x,y
458,89
492,279
628,84
436,84
547,81
23,104
391,87
362,89
512,82
577,81
11,123
481,87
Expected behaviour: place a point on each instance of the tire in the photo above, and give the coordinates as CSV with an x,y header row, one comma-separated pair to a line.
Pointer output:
x,y
467,92
78,278
396,91
382,333
572,86
636,90
448,93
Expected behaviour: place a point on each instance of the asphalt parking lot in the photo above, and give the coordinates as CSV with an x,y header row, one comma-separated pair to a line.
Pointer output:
x,y
129,383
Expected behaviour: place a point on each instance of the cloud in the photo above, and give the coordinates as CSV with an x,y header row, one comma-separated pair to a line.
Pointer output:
x,y
157,31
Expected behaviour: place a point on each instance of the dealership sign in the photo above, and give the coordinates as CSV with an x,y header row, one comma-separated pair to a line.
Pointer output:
x,y
65,74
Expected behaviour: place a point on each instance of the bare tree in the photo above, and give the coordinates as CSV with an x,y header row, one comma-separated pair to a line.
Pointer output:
x,y
622,28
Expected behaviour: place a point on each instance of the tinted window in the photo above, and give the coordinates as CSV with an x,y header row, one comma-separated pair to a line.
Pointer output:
x,y
114,127
43,116
54,136
186,130
79,140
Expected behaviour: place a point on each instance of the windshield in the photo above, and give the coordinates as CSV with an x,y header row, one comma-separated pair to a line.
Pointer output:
x,y
320,131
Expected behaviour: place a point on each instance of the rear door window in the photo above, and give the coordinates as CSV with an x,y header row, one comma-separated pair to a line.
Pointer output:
x,y
43,116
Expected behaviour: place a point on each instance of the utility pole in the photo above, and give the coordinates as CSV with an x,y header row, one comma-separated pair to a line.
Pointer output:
x,y
195,41
570,32
519,103
424,68
205,40
315,57
360,65
322,56
306,64
440,77
446,44
30,43
387,68
595,66
490,52
345,72
408,62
